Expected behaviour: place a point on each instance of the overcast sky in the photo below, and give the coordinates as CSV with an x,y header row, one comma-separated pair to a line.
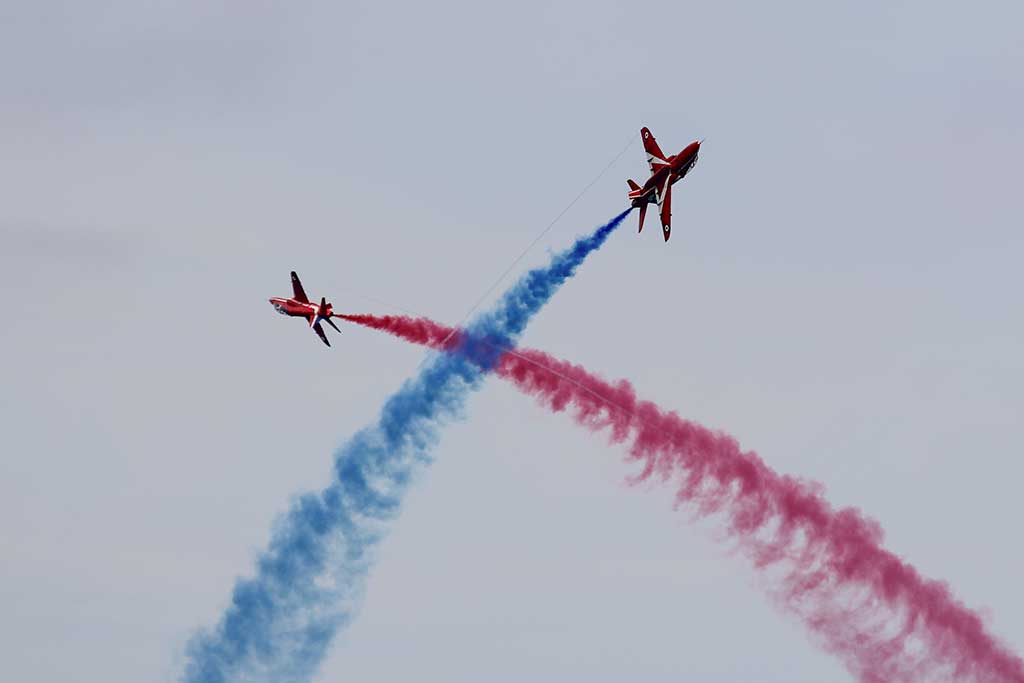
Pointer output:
x,y
841,292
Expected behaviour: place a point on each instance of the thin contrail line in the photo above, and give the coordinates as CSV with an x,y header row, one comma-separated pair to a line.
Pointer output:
x,y
539,237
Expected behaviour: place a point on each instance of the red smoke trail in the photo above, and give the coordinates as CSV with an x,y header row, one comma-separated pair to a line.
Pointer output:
x,y
416,330
873,610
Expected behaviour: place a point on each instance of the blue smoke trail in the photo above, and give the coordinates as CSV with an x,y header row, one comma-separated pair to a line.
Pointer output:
x,y
310,581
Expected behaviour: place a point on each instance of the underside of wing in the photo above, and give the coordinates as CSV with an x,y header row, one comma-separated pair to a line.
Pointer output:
x,y
320,332
300,294
655,157
665,200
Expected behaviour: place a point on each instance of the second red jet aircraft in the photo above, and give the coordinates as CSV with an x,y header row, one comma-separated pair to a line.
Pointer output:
x,y
665,172
299,306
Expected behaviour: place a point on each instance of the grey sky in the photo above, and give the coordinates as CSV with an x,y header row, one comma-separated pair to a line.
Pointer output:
x,y
841,293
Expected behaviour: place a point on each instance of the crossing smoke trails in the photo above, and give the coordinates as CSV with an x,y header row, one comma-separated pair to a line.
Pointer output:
x,y
309,582
867,606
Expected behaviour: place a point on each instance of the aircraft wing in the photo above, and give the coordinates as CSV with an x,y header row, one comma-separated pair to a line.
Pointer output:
x,y
320,331
655,157
300,294
665,202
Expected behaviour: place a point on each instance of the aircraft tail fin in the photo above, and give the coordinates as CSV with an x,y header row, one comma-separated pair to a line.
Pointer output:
x,y
632,185
326,313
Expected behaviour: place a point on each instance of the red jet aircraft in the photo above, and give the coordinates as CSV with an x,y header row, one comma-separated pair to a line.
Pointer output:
x,y
300,306
665,172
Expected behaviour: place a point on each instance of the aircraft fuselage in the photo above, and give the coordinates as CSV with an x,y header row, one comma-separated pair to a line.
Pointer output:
x,y
295,309
678,166
309,310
